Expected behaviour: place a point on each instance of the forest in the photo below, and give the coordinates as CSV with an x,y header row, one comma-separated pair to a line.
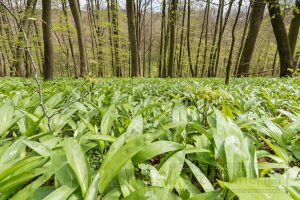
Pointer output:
x,y
149,99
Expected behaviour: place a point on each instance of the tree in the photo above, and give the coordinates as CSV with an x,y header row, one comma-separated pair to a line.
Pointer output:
x,y
294,28
132,38
229,63
47,38
115,27
283,45
256,16
162,33
18,61
172,22
74,6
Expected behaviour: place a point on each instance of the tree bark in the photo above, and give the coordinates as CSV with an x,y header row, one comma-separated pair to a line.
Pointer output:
x,y
132,38
172,18
294,28
283,45
257,13
114,10
78,24
229,63
48,69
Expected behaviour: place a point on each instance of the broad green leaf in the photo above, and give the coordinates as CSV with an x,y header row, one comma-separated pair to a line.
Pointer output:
x,y
256,188
234,159
151,150
108,119
172,168
93,189
38,147
112,164
152,193
78,162
31,188
62,193
201,178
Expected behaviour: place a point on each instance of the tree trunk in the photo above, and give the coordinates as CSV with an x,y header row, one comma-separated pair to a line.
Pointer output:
x,y
257,13
172,17
179,63
199,43
47,37
188,39
114,10
206,39
294,28
132,38
229,63
283,45
18,63
238,58
77,19
162,32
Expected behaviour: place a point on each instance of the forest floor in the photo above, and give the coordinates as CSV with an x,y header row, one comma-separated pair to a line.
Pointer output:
x,y
150,138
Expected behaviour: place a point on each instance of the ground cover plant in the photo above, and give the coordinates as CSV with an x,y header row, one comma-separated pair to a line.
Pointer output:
x,y
150,139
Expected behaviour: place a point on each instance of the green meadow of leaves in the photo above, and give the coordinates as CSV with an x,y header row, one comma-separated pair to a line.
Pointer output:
x,y
138,139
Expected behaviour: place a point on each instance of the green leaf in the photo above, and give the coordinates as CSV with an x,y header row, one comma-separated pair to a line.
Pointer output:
x,y
234,160
38,148
31,188
106,138
256,188
108,119
201,178
78,162
112,164
61,193
151,150
172,168
152,193
93,189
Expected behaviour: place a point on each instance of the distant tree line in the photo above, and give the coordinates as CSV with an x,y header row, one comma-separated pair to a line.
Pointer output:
x,y
151,38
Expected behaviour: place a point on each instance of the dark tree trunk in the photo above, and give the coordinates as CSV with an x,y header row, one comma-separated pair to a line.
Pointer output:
x,y
257,13
114,10
18,63
283,45
172,22
179,63
229,63
188,39
77,19
294,28
132,38
162,32
47,37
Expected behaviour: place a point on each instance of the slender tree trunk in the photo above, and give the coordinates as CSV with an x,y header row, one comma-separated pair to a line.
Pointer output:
x,y
188,39
115,26
238,58
213,47
150,40
78,24
179,63
132,38
206,39
47,37
172,17
257,13
285,54
229,63
162,33
69,36
294,28
18,63
200,41
221,32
